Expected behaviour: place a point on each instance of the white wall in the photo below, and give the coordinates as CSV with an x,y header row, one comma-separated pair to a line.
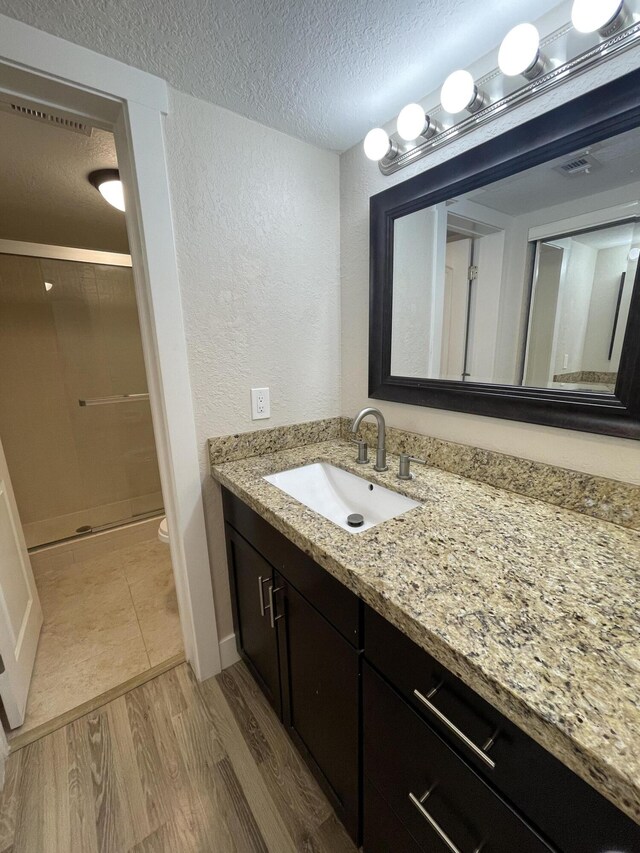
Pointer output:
x,y
418,264
610,265
544,306
256,218
625,305
485,307
572,315
360,178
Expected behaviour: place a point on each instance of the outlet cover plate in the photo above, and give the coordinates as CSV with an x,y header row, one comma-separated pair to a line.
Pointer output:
x,y
260,404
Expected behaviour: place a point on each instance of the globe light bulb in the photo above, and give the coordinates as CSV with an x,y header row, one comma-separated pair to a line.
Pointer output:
x,y
519,50
112,192
589,16
376,143
458,92
411,122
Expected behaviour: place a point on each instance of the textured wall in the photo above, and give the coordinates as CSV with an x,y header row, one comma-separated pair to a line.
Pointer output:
x,y
359,179
256,218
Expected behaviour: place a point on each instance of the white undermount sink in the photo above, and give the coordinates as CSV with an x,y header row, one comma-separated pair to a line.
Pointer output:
x,y
337,494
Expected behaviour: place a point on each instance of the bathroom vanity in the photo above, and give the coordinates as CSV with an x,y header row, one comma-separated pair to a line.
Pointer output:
x,y
428,671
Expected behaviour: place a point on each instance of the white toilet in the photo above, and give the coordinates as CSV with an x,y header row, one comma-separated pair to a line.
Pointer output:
x,y
163,531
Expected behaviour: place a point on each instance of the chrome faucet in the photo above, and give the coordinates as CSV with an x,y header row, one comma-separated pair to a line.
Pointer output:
x,y
381,452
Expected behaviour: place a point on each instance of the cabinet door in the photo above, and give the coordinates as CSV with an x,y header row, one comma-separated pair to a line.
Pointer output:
x,y
320,687
251,579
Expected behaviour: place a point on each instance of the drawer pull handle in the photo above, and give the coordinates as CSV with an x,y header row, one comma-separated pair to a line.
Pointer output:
x,y
439,831
261,581
271,607
477,751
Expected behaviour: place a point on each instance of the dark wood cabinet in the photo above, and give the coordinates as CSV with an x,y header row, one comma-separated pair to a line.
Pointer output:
x,y
351,690
434,793
562,808
382,831
320,688
251,578
298,630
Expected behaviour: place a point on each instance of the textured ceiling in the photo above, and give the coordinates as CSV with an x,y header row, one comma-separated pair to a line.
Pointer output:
x,y
46,197
322,70
542,186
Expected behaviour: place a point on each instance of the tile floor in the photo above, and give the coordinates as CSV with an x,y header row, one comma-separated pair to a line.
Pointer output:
x,y
110,614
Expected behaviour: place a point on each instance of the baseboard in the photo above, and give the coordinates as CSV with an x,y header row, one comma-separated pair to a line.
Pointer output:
x,y
228,651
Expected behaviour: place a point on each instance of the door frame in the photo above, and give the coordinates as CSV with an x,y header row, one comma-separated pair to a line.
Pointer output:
x,y
132,104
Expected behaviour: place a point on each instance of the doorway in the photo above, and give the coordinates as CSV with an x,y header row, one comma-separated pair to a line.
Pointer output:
x,y
76,426
132,104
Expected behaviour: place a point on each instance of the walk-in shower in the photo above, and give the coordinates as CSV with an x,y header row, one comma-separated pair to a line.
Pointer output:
x,y
75,421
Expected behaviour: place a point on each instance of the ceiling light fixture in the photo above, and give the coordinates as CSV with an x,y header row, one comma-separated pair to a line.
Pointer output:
x,y
604,16
459,92
48,285
378,145
413,122
109,185
520,53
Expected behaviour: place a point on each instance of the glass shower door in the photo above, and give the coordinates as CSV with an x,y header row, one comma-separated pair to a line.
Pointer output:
x,y
77,428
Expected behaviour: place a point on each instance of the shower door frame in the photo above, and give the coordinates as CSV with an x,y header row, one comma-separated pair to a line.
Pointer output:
x,y
132,104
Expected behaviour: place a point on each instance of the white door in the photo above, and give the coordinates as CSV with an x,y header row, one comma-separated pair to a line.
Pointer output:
x,y
20,611
456,295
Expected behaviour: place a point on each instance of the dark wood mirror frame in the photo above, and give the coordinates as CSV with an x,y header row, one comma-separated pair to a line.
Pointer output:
x,y
600,114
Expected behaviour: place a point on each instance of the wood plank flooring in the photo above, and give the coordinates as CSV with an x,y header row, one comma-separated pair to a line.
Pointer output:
x,y
171,766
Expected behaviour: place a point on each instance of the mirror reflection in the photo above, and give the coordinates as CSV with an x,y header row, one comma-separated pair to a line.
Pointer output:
x,y
526,281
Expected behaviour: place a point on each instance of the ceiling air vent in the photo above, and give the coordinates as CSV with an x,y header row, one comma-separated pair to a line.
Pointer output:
x,y
37,112
583,164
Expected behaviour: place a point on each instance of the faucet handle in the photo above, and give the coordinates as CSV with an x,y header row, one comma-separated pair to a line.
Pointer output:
x,y
363,456
404,469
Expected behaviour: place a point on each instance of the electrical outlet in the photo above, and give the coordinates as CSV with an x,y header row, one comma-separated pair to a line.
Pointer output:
x,y
260,403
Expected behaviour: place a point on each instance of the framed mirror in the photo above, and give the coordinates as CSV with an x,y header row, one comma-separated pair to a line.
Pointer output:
x,y
505,281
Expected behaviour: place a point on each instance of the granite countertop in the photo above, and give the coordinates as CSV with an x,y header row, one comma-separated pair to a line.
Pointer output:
x,y
533,606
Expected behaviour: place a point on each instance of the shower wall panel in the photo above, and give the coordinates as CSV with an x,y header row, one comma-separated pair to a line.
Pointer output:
x,y
69,332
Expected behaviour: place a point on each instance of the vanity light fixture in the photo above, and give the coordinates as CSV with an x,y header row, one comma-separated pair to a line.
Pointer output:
x,y
459,92
604,16
378,145
520,53
109,185
413,122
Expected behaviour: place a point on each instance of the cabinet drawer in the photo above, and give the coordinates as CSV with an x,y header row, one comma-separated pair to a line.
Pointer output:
x,y
383,832
337,604
528,776
433,792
